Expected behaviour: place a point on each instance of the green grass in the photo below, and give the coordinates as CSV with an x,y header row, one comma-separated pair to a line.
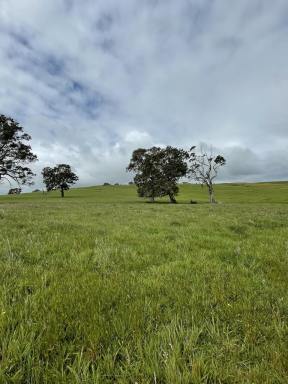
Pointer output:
x,y
101,287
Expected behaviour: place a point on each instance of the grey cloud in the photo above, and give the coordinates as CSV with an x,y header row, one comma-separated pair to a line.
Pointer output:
x,y
82,77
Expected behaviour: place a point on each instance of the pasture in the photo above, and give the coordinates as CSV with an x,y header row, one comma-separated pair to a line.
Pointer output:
x,y
102,287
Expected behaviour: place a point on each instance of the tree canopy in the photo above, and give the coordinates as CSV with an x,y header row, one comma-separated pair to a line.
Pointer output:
x,y
157,171
15,153
59,177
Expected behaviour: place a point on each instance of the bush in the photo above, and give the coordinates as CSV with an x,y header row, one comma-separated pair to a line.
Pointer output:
x,y
14,191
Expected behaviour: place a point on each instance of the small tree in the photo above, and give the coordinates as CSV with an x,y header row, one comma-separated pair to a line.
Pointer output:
x,y
204,169
59,177
15,153
158,171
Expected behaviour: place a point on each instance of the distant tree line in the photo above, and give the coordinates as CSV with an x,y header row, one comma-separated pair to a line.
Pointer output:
x,y
157,170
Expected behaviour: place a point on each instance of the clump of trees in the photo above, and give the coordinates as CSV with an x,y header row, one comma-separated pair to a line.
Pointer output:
x,y
59,177
158,170
15,152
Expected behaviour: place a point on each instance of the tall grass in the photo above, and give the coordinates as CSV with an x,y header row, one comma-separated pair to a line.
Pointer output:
x,y
100,287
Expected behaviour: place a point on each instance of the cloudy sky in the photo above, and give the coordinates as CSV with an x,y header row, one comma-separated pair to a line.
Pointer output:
x,y
92,80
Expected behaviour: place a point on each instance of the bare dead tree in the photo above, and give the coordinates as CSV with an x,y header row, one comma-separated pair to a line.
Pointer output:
x,y
204,169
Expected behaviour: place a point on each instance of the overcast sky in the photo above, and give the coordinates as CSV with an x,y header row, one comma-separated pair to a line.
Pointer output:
x,y
93,80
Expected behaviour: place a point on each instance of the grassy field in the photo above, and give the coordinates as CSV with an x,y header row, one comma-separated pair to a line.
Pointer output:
x,y
101,287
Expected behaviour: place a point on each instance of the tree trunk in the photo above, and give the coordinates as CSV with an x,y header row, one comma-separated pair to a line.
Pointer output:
x,y
211,194
172,199
62,192
152,199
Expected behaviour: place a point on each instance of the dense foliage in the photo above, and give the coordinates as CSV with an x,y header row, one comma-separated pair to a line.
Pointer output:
x,y
158,170
59,177
15,153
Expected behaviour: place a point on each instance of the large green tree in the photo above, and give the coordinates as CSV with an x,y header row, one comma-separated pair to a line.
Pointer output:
x,y
59,177
15,152
157,171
